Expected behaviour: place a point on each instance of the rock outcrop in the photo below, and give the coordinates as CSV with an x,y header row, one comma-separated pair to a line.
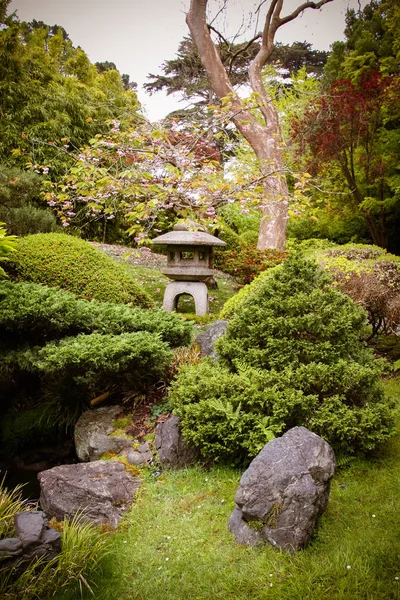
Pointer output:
x,y
207,339
284,491
100,490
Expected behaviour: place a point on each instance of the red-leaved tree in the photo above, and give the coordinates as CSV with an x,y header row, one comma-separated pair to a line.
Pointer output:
x,y
354,126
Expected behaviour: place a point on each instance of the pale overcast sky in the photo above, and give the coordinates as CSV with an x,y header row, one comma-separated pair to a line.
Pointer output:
x,y
139,35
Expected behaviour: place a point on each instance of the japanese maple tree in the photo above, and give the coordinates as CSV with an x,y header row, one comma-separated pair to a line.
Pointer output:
x,y
354,126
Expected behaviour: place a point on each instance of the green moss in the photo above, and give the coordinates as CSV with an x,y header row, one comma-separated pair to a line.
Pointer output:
x,y
132,469
122,422
121,433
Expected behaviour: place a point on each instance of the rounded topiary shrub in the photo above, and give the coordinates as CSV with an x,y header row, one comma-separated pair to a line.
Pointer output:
x,y
292,355
66,262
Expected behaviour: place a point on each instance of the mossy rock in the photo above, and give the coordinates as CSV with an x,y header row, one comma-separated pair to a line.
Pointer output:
x,y
66,262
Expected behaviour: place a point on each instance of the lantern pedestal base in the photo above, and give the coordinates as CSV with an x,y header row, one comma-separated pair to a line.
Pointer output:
x,y
196,289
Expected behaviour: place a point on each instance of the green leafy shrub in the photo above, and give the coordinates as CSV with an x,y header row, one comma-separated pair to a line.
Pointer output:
x,y
291,355
247,262
7,245
65,375
249,238
240,220
35,313
21,206
232,304
63,261
323,224
58,352
227,235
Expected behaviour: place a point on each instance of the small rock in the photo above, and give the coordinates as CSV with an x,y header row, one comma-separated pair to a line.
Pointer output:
x,y
207,339
172,449
37,538
142,455
10,548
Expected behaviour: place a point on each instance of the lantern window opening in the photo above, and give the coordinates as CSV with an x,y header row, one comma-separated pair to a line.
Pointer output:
x,y
185,255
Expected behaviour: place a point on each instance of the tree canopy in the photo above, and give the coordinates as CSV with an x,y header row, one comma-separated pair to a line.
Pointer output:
x,y
52,98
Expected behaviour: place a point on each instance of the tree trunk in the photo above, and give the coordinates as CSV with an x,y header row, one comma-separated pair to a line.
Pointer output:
x,y
265,139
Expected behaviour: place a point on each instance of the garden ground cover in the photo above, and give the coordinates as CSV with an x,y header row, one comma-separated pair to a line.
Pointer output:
x,y
174,543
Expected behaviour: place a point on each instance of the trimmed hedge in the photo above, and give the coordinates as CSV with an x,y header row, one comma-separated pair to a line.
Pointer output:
x,y
69,263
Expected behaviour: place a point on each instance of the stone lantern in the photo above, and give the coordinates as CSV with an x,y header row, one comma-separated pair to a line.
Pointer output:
x,y
189,262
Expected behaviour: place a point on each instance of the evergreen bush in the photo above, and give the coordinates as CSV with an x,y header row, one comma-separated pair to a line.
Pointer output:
x,y
63,261
59,352
291,355
7,246
371,277
27,220
36,313
21,206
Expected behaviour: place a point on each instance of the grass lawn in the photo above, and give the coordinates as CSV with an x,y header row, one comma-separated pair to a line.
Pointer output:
x,y
174,543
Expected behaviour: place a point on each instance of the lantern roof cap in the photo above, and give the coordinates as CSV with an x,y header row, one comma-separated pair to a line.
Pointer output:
x,y
188,238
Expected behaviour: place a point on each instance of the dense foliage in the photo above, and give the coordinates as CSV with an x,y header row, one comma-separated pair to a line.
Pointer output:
x,y
185,73
292,355
247,262
7,246
21,206
59,352
347,136
38,313
371,277
354,126
52,98
63,261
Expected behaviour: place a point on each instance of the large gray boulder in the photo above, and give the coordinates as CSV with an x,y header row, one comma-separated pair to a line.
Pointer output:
x,y
172,449
93,431
101,490
284,491
207,339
